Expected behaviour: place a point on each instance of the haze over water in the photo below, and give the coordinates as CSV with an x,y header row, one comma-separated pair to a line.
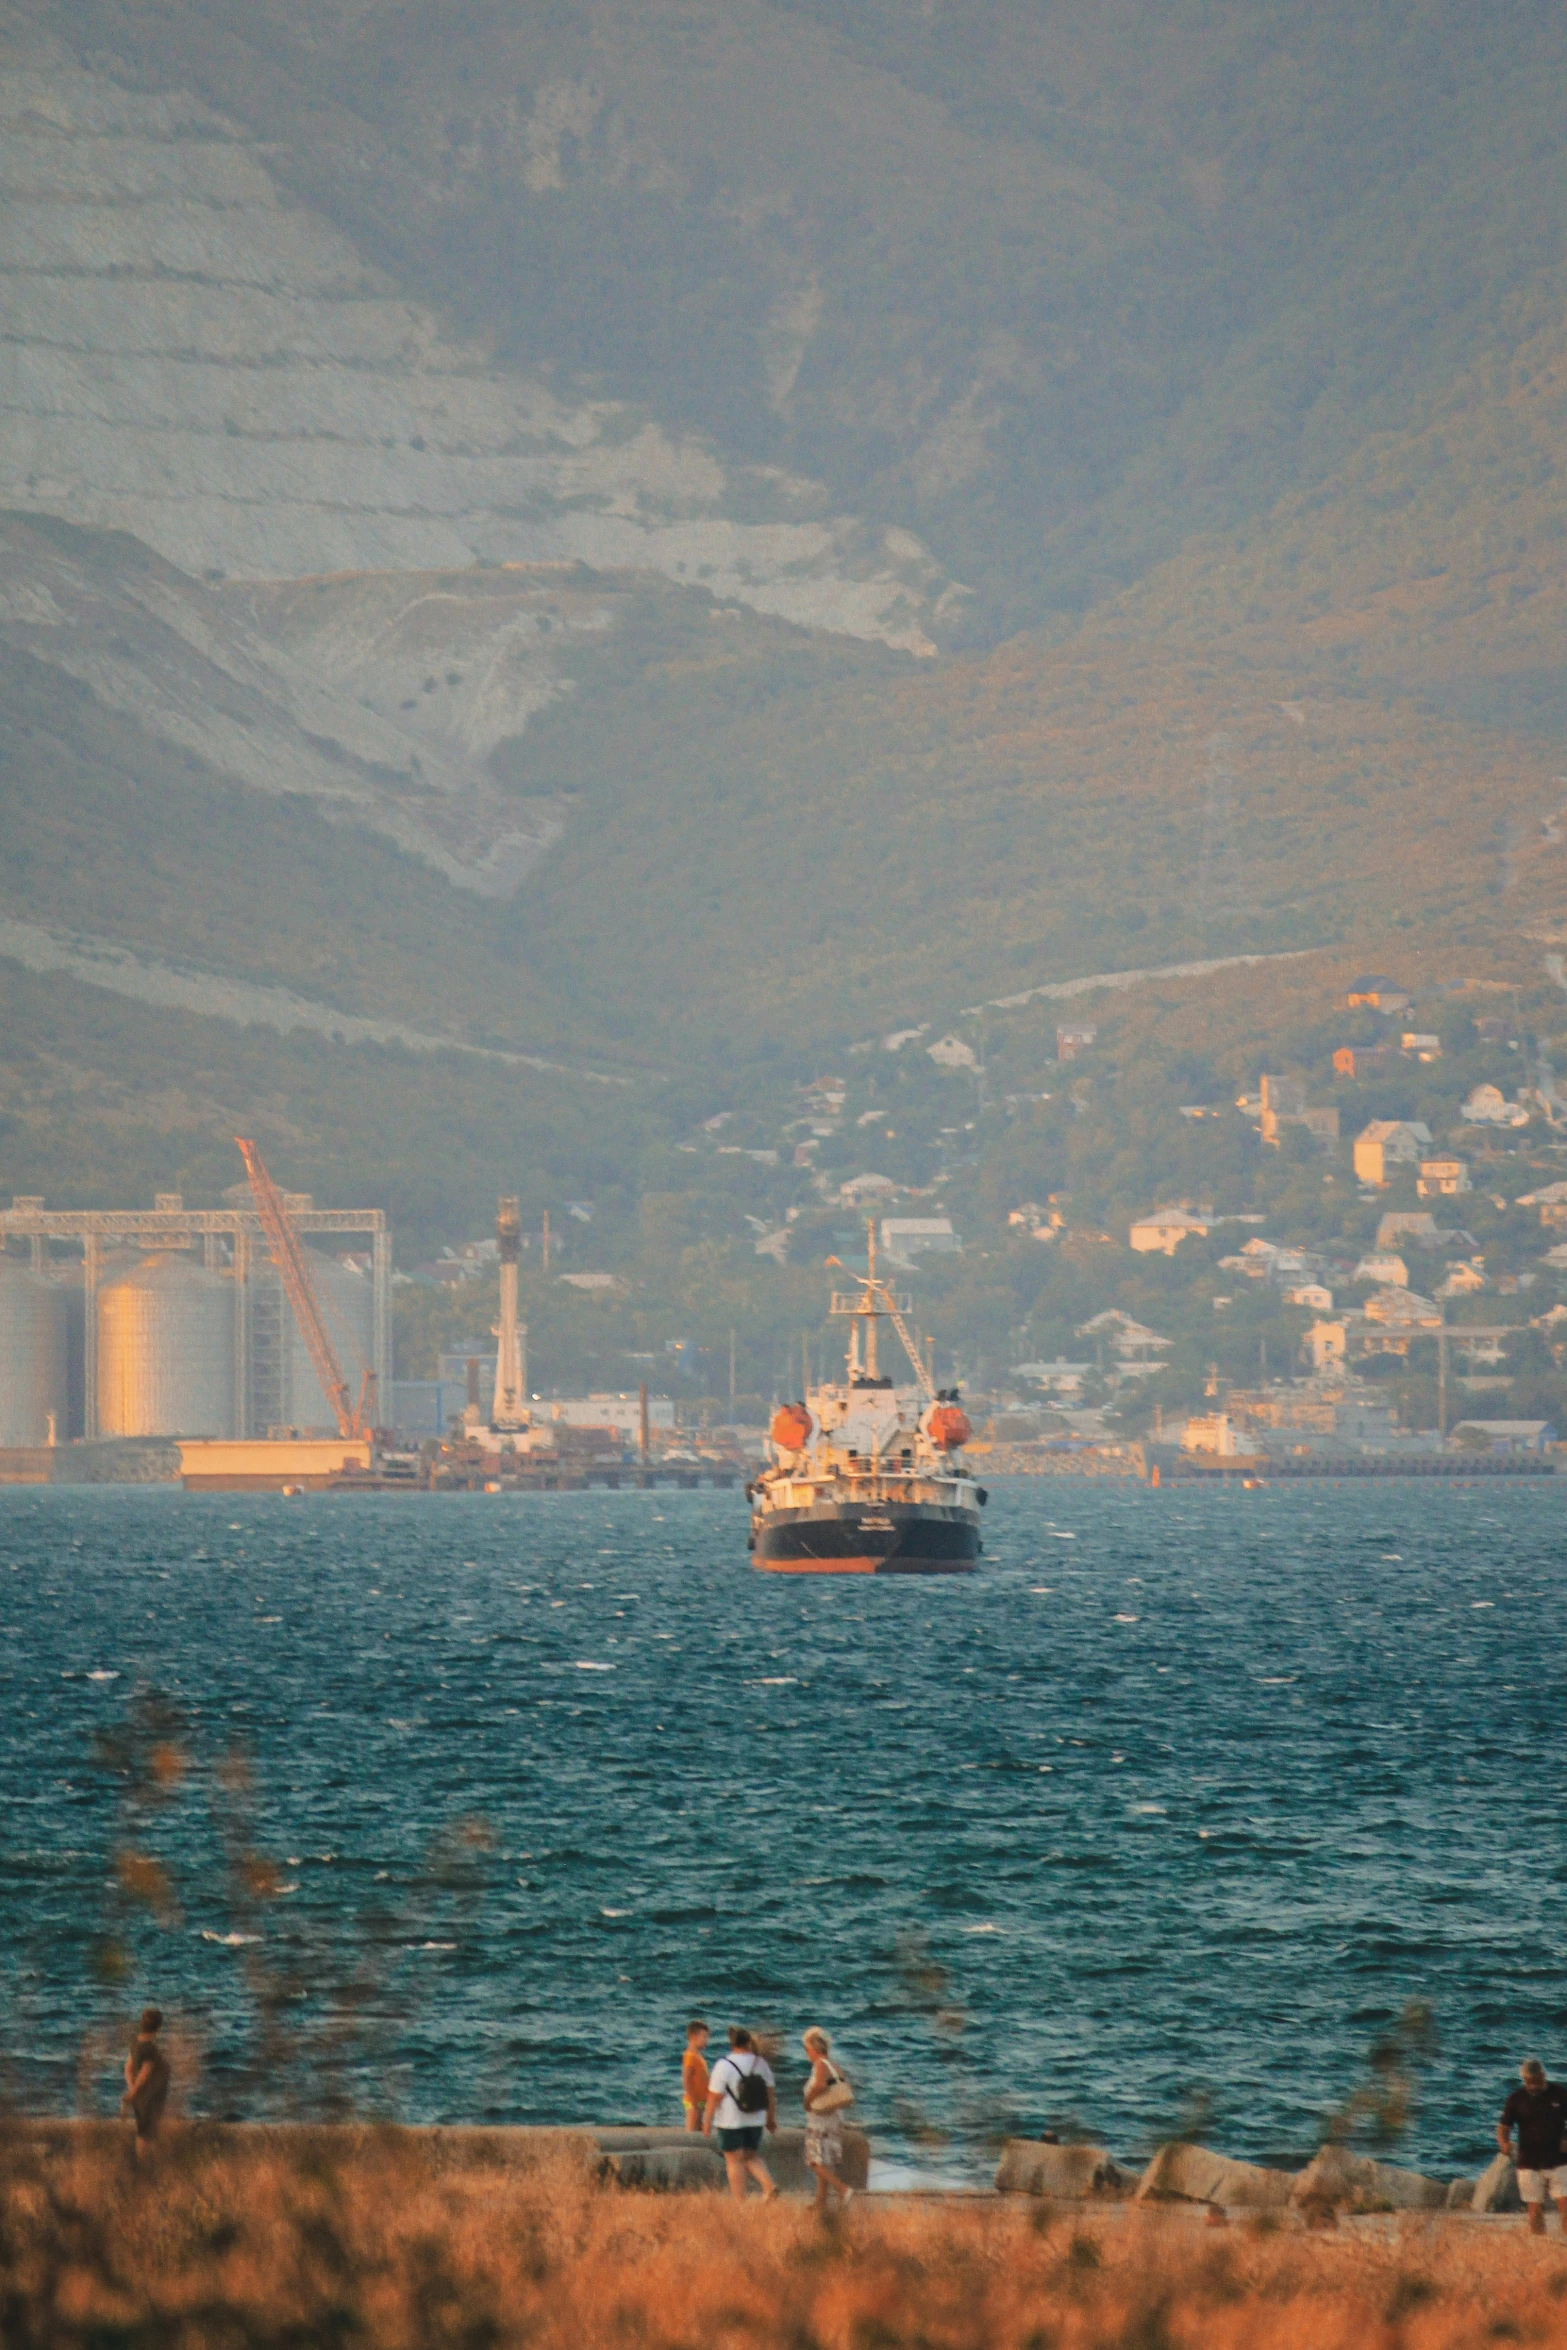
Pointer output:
x,y
1184,1795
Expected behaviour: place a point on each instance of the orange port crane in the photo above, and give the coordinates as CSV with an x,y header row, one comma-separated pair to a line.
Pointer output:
x,y
294,1273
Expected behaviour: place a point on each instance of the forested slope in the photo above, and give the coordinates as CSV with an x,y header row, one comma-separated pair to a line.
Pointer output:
x,y
1065,488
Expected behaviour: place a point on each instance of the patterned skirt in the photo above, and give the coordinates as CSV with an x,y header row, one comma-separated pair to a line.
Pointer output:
x,y
824,2140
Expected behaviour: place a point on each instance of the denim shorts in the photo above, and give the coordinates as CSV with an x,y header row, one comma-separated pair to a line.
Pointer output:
x,y
740,2141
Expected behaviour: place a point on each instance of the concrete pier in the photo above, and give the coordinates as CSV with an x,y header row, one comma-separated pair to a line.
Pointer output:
x,y
627,2154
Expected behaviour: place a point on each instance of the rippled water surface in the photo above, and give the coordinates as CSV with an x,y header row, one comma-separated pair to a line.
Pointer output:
x,y
1177,1802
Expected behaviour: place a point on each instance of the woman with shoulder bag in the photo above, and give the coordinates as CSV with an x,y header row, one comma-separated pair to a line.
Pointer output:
x,y
827,2097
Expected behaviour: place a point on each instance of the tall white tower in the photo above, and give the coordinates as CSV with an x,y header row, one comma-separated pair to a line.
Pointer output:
x,y
511,1379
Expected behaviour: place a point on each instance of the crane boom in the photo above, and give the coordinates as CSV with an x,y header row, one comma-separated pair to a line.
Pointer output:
x,y
294,1274
874,1300
922,1378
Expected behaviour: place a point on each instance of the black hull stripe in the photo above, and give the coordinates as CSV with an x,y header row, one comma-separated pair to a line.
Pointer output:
x,y
923,1546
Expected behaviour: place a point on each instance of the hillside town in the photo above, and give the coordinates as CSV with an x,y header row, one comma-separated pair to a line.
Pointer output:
x,y
1363,1257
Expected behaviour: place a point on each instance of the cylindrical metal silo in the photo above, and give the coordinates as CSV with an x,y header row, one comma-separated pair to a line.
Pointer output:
x,y
166,1350
32,1356
346,1303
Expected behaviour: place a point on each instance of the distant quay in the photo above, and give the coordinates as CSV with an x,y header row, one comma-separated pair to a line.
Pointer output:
x,y
329,1465
1175,1465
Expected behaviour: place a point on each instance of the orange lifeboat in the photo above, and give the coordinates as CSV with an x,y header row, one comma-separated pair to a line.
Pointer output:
x,y
792,1426
947,1427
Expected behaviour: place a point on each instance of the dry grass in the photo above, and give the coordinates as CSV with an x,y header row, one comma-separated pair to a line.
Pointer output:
x,y
228,2246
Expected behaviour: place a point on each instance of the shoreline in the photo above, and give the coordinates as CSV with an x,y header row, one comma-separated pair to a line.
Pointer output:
x,y
1076,2181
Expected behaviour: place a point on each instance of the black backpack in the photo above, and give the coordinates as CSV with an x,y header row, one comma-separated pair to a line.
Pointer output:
x,y
750,2091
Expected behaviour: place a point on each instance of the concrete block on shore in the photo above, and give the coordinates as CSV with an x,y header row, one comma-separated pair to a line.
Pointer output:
x,y
1066,2174
1460,2195
1195,2174
1497,2187
627,2153
1355,2182
666,2170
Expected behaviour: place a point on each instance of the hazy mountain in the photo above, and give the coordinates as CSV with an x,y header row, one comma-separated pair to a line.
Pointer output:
x,y
662,534
1049,285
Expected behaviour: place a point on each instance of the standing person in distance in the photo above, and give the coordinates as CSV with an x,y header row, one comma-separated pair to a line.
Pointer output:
x,y
693,2073
741,2099
827,2095
1538,2111
146,2081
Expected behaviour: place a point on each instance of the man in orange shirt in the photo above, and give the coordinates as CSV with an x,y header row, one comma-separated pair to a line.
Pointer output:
x,y
693,2073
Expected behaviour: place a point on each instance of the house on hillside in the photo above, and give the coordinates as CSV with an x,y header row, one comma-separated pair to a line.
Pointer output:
x,y
1445,1178
1164,1230
1312,1294
1421,1045
1552,1204
1388,1143
903,1238
1374,991
1462,1281
1136,1347
1255,1259
861,1188
1040,1223
1360,1060
1416,1224
1488,1106
1073,1038
1282,1097
1388,1271
1283,1101
1403,1310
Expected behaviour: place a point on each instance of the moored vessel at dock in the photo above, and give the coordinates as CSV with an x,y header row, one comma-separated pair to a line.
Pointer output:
x,y
865,1477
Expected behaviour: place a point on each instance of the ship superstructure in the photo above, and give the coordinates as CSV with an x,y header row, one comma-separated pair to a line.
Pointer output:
x,y
865,1477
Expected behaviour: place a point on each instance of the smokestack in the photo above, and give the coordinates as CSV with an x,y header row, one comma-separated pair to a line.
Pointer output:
x,y
509,1409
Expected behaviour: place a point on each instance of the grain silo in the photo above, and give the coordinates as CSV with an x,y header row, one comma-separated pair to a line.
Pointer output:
x,y
166,1350
32,1356
346,1302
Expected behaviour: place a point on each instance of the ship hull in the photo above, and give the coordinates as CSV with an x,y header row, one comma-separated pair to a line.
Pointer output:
x,y
893,1538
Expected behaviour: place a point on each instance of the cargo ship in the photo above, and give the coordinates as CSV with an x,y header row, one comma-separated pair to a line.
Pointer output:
x,y
865,1477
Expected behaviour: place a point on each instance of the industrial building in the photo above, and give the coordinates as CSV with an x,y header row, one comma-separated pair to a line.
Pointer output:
x,y
173,1321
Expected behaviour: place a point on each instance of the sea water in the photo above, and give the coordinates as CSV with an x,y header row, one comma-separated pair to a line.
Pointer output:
x,y
1161,1819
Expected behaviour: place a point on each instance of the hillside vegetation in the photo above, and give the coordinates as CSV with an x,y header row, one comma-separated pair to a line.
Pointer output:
x,y
1187,382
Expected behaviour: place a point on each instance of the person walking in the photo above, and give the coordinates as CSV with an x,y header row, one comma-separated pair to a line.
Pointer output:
x,y
827,2097
693,2073
1537,2110
742,2099
146,2081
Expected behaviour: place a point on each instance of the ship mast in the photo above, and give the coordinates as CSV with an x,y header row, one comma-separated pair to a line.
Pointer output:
x,y
874,1301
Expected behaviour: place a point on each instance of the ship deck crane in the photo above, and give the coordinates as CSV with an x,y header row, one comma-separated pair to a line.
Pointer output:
x,y
874,1300
352,1422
